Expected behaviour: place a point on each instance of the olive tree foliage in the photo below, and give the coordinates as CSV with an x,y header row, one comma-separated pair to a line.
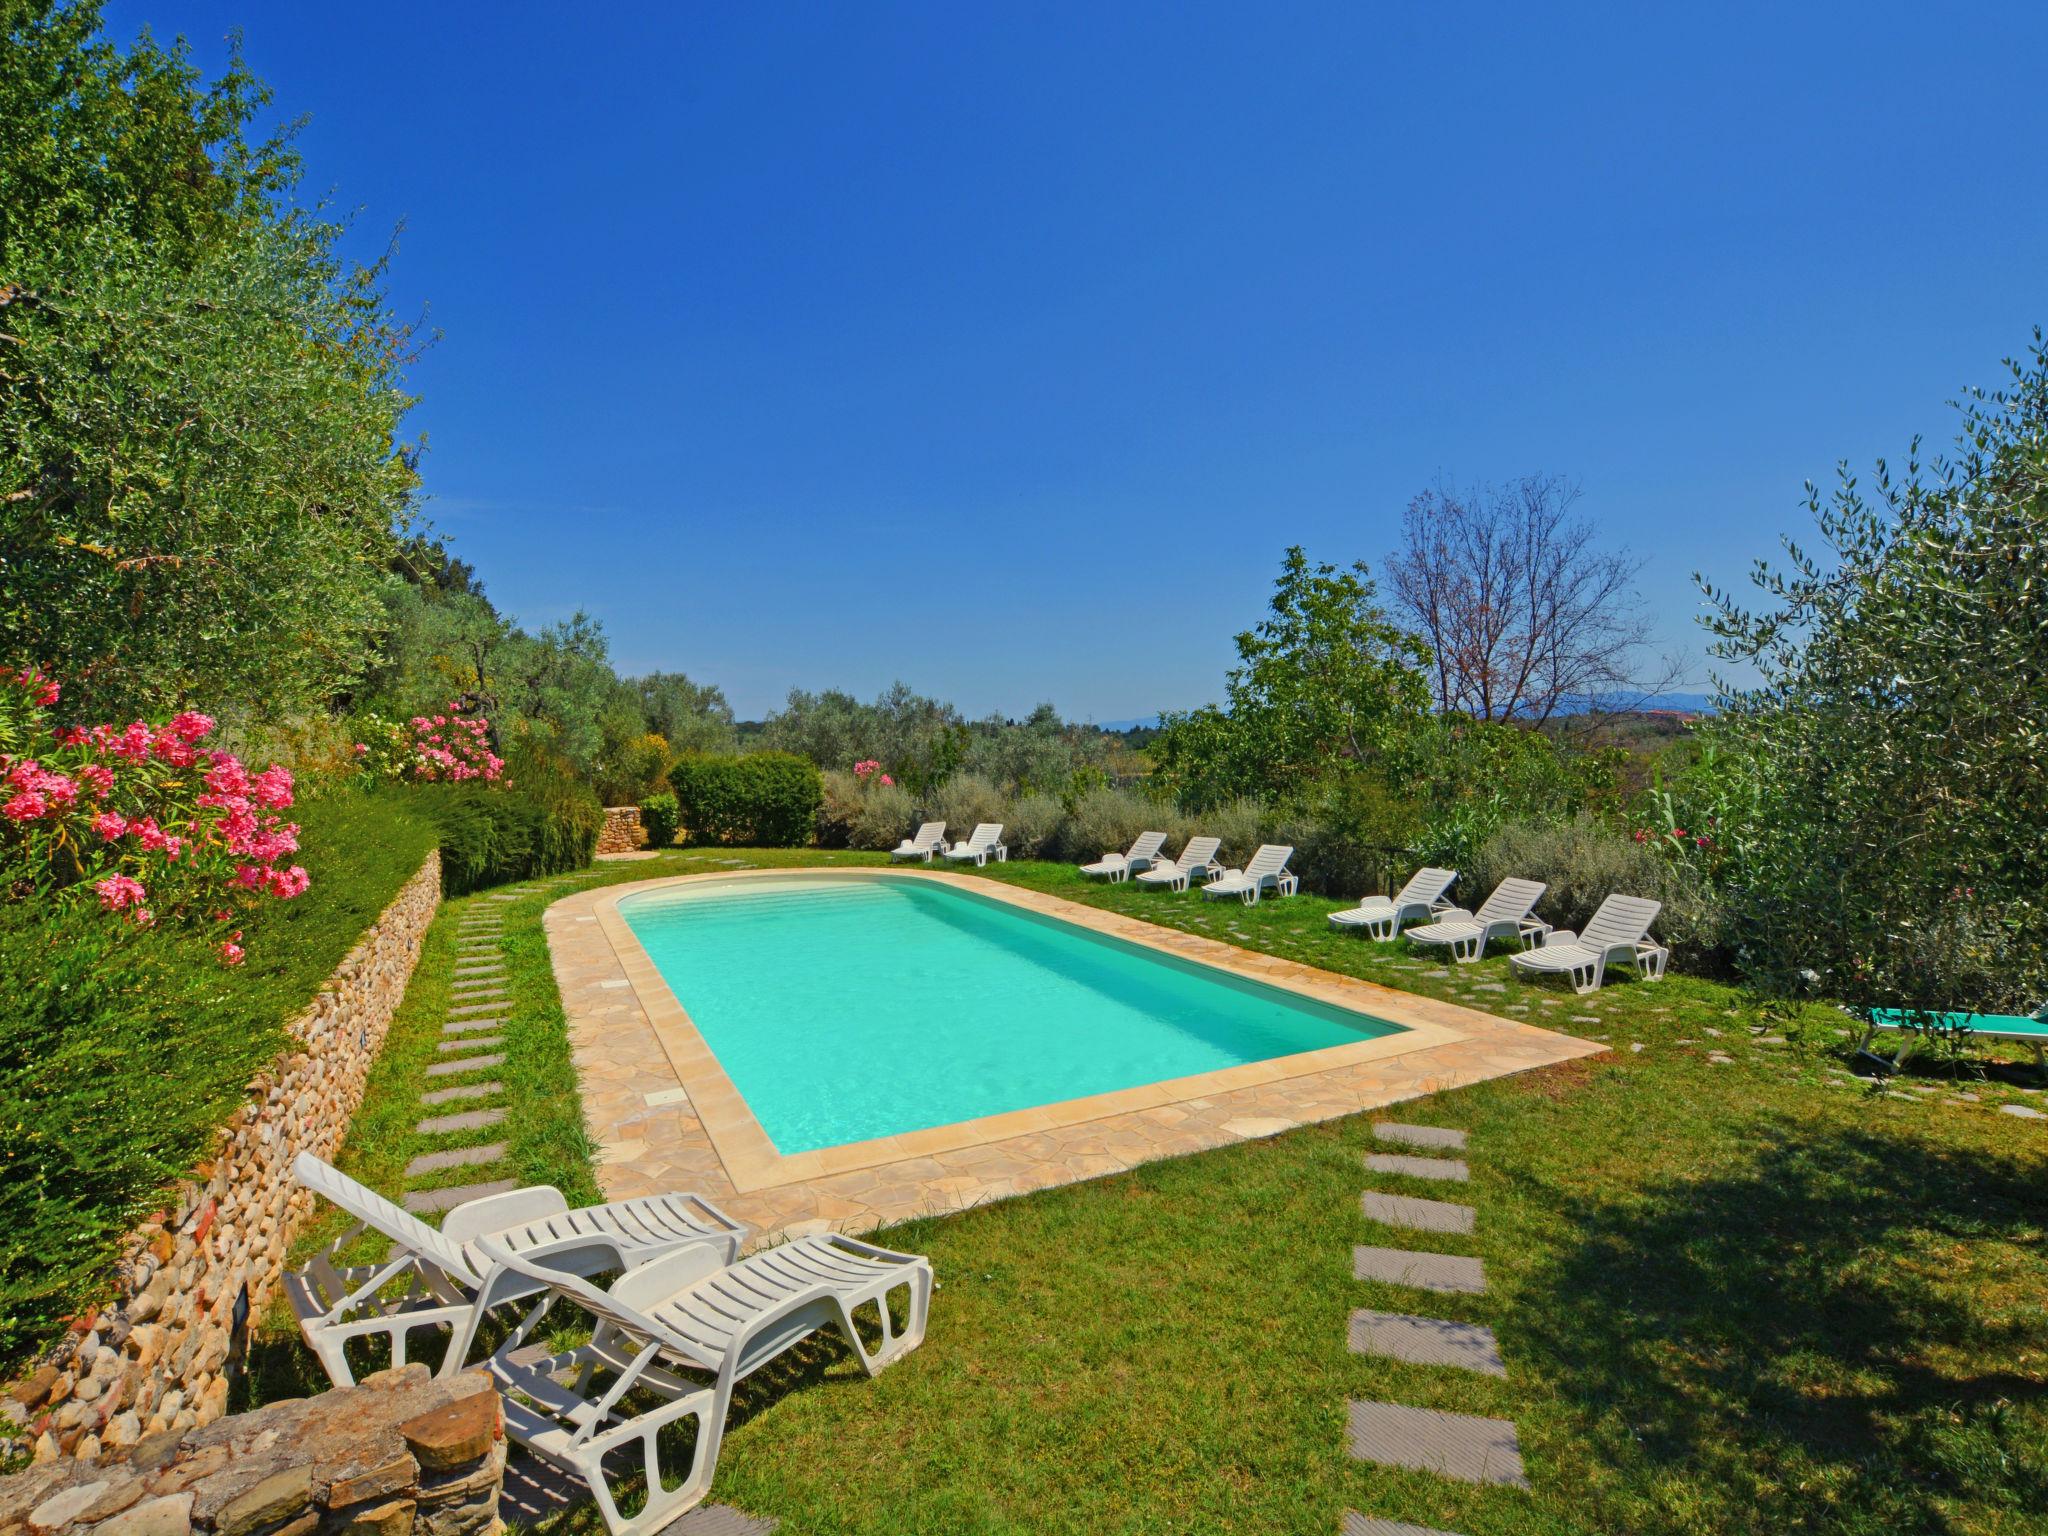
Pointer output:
x,y
1324,686
201,472
918,741
1880,802
689,716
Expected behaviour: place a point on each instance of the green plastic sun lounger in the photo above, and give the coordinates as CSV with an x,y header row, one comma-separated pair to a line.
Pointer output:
x,y
2032,1031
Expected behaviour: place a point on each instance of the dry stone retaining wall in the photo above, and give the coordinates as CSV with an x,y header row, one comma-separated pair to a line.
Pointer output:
x,y
400,1455
160,1356
621,832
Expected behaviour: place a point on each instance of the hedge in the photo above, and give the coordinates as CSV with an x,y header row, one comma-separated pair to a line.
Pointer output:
x,y
765,799
660,816
122,1049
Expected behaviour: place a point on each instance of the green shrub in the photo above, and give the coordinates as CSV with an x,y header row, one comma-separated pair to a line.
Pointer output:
x,y
122,1049
868,815
1585,861
660,815
1240,823
766,799
490,836
1109,821
1033,826
966,800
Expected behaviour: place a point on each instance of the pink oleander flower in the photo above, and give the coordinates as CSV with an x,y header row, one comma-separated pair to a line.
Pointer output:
x,y
99,778
362,749
189,725
887,780
29,805
110,825
284,884
227,776
231,953
42,690
119,893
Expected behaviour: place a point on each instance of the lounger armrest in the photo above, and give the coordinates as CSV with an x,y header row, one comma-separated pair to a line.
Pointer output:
x,y
1559,936
658,1279
1455,915
494,1213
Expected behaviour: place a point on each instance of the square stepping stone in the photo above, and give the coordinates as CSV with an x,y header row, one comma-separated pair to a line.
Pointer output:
x,y
1409,1211
1418,1167
1426,1341
1424,1271
467,1120
1420,1135
459,1157
1457,1445
466,1091
422,1202
1356,1524
469,1064
470,1043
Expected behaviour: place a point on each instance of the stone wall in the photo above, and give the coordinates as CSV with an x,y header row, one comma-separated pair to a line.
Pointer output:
x,y
621,832
400,1455
160,1355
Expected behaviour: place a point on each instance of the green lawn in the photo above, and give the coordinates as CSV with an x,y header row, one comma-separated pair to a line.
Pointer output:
x,y
1754,1297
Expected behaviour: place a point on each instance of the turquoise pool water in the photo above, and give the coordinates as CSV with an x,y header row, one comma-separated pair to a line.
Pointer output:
x,y
849,1009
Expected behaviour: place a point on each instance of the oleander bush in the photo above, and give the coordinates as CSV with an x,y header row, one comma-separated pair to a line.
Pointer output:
x,y
122,1048
660,816
767,799
1583,862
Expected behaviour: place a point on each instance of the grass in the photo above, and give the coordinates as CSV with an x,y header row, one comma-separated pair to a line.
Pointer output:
x,y
1759,1296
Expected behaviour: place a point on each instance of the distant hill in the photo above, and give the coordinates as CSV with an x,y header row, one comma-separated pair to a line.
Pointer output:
x,y
1684,703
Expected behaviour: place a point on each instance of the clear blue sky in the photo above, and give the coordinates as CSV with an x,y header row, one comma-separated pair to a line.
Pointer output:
x,y
1002,349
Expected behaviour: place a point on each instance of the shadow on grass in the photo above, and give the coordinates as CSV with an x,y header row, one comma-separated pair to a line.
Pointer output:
x,y
1774,1336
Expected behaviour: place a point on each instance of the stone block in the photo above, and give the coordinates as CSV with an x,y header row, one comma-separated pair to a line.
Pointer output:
x,y
168,1515
391,1518
276,1498
454,1434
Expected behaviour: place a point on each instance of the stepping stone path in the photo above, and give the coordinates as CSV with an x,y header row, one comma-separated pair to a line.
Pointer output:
x,y
472,1042
1456,1445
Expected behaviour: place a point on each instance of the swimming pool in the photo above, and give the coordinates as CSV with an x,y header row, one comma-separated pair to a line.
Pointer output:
x,y
845,1010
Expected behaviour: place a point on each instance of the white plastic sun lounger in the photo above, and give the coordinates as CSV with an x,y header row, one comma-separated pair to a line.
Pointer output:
x,y
1266,871
1510,912
1144,853
446,1271
985,843
689,1310
1621,926
1382,916
1198,858
930,839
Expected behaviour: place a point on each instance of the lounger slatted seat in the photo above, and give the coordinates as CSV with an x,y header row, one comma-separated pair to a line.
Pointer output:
x,y
689,1311
445,1272
930,839
1383,916
1916,1024
984,843
1510,912
1266,871
1621,926
1198,859
1121,866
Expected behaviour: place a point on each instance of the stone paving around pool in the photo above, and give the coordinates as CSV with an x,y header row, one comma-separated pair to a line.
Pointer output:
x,y
635,1053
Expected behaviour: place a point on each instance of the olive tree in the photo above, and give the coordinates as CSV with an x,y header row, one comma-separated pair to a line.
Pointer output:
x,y
1879,815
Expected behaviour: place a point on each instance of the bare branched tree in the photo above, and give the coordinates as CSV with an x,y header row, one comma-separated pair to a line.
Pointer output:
x,y
1524,610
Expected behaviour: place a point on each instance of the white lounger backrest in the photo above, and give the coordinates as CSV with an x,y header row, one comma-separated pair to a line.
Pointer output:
x,y
930,835
1511,901
1269,860
1425,887
1147,846
372,1209
986,835
1622,921
1199,851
